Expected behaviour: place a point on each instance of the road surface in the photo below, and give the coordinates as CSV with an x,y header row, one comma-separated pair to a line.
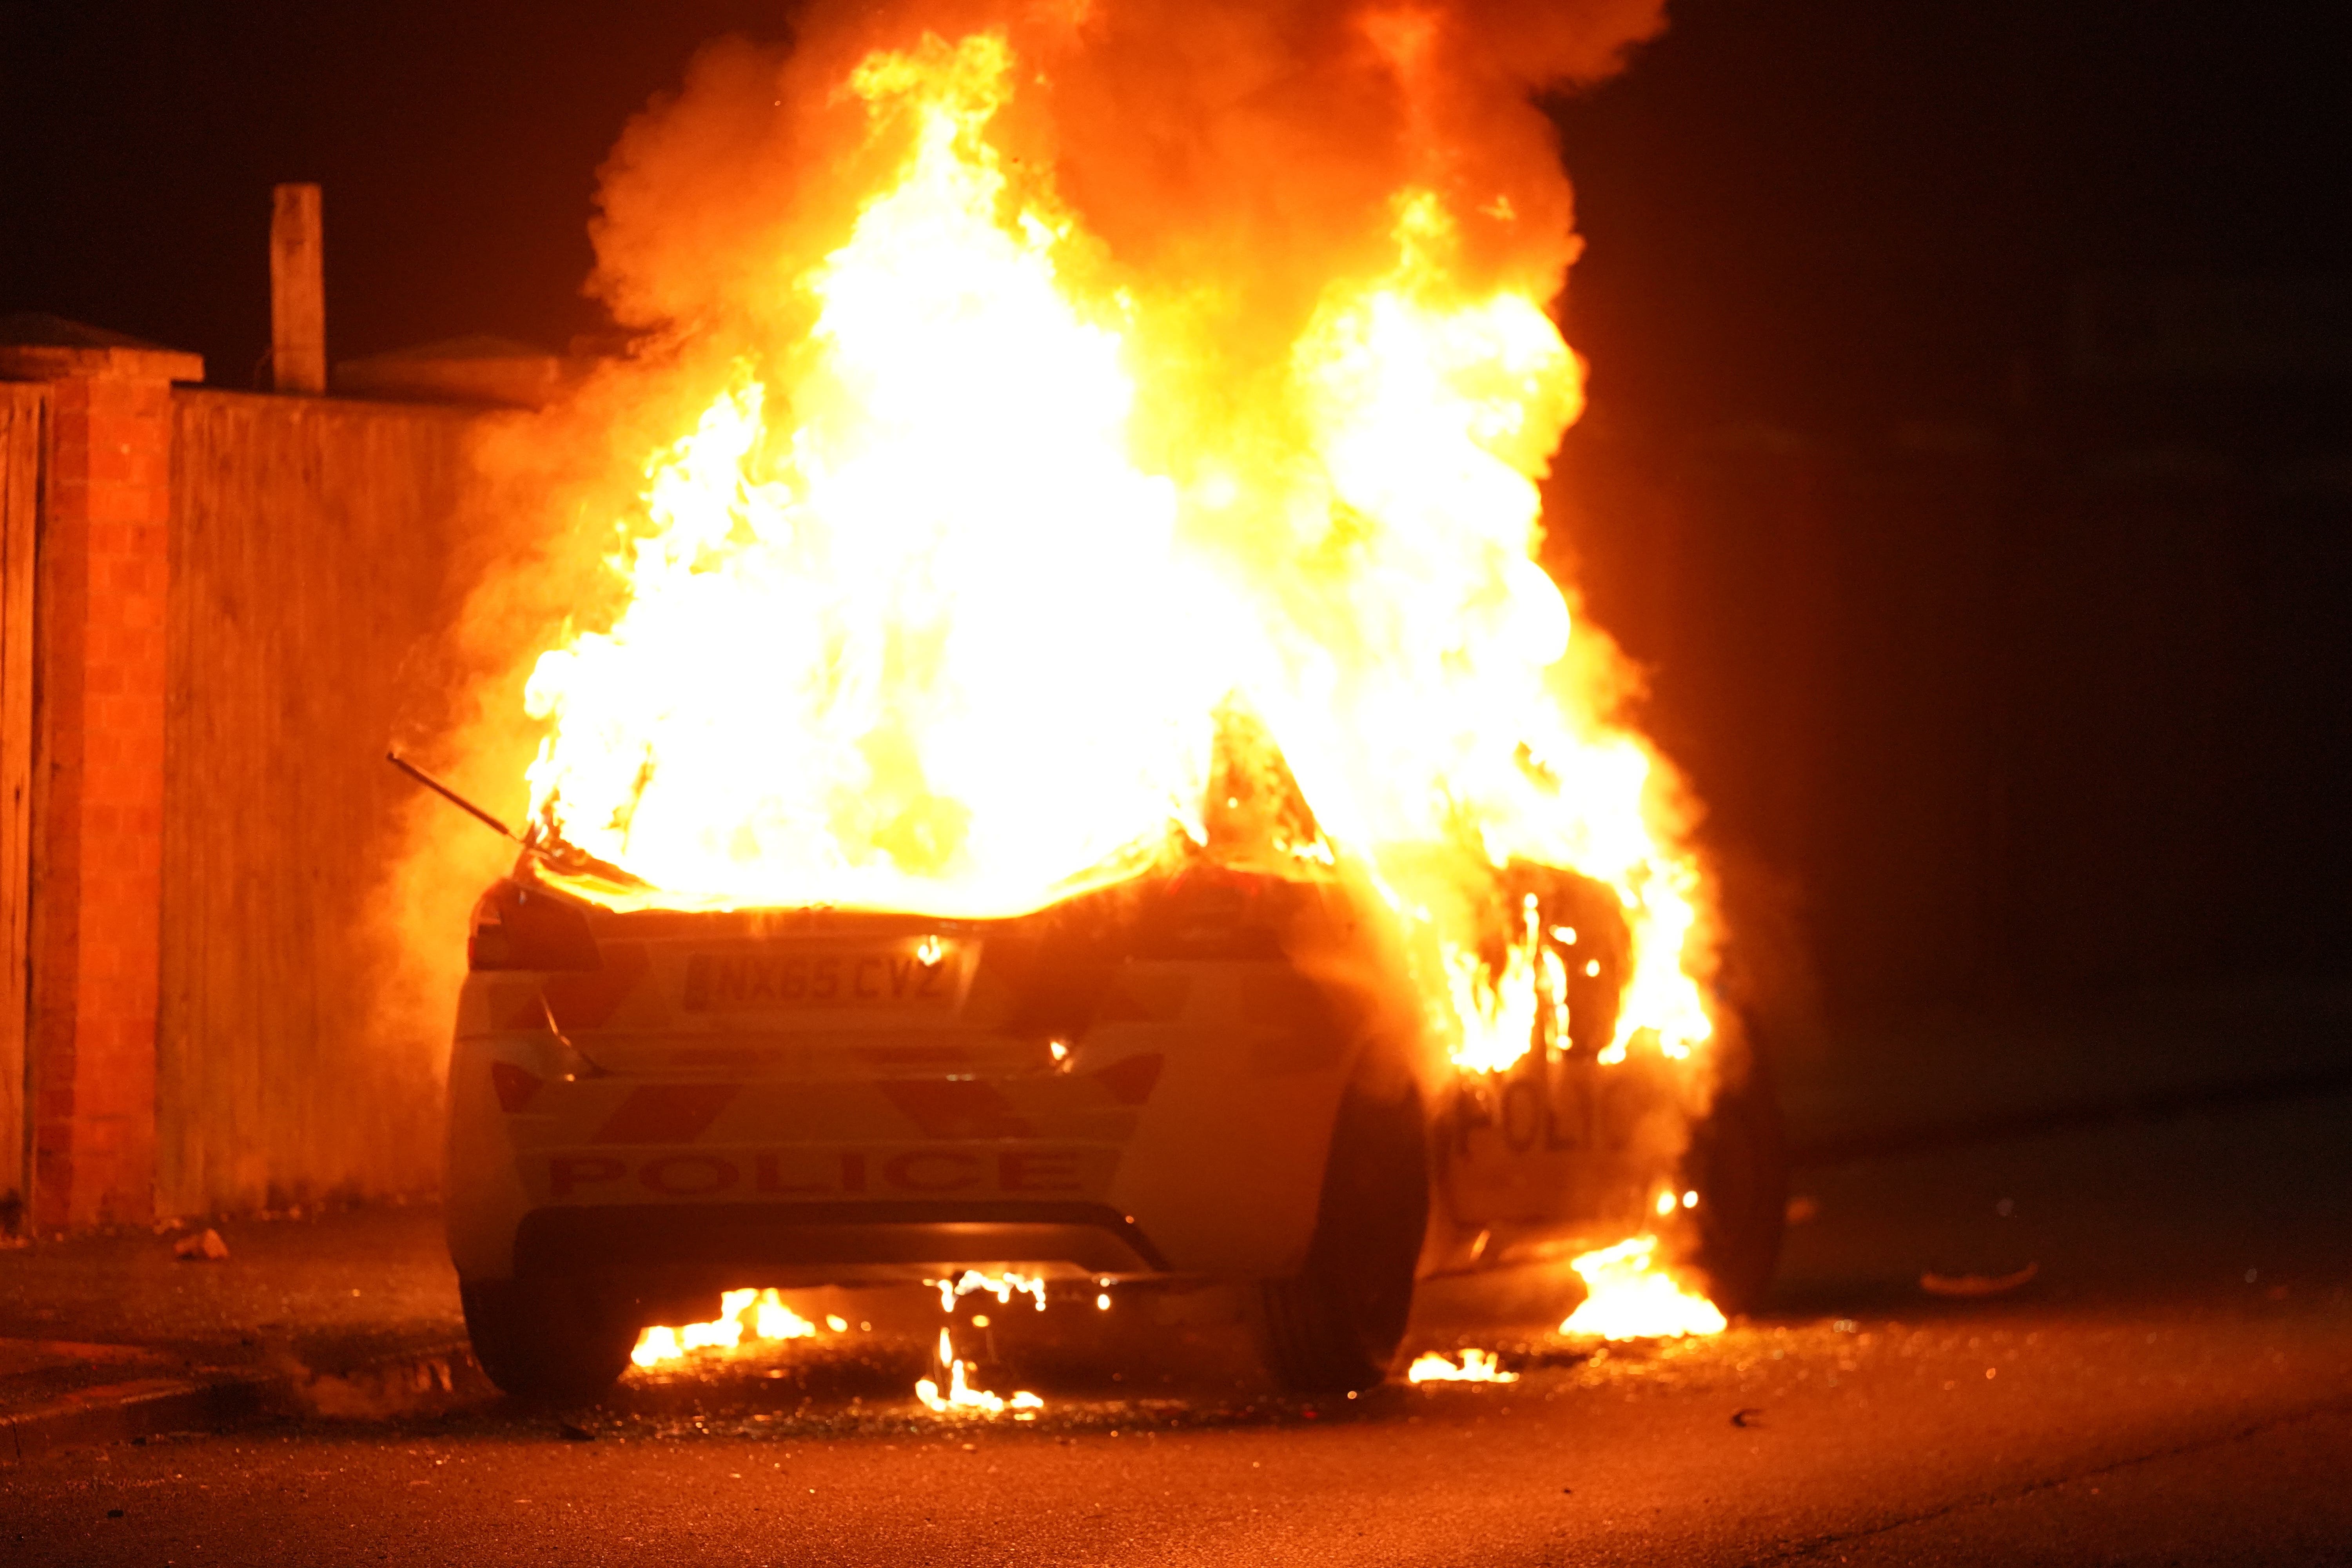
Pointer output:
x,y
2173,1385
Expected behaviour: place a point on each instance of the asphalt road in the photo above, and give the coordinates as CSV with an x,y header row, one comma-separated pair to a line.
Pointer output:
x,y
2174,1385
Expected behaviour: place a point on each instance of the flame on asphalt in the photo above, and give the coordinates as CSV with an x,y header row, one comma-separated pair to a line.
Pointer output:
x,y
759,1314
962,1399
1628,1297
1477,1366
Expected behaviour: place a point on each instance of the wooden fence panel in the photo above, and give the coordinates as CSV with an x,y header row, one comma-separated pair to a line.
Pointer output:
x,y
310,549
23,414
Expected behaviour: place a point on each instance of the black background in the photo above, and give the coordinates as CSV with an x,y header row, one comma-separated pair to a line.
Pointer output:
x,y
2009,669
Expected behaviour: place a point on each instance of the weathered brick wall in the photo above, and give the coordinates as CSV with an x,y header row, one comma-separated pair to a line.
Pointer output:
x,y
104,572
23,432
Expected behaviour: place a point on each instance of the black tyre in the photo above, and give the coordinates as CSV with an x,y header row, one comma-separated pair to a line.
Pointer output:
x,y
1737,1161
1337,1325
546,1339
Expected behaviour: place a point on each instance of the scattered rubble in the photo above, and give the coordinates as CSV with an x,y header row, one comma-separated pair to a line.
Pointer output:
x,y
203,1247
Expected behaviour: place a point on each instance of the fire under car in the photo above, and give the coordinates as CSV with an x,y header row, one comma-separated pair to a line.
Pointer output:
x,y
1203,1072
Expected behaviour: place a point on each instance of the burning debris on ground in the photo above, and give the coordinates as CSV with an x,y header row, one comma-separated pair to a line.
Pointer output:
x,y
1473,1367
814,1390
1629,1297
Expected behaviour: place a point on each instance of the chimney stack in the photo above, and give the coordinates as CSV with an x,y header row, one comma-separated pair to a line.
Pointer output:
x,y
298,292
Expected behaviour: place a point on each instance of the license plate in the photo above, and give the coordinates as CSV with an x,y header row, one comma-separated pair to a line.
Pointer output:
x,y
922,974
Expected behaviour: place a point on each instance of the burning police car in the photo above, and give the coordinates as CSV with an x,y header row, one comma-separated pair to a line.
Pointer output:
x,y
991,579
1199,1073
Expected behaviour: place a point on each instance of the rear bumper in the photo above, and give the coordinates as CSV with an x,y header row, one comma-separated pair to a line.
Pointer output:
x,y
1192,1146
679,1245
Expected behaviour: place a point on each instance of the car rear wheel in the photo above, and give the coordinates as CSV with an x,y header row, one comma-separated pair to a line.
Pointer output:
x,y
1737,1161
1336,1326
546,1339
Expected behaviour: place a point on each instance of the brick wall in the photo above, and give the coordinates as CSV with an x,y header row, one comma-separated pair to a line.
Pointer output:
x,y
101,584
105,573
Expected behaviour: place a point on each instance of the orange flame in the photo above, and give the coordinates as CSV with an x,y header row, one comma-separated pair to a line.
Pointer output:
x,y
962,1398
936,609
1478,1366
1003,1287
1628,1299
762,1312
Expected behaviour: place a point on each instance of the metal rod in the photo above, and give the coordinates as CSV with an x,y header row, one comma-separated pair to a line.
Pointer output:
x,y
451,795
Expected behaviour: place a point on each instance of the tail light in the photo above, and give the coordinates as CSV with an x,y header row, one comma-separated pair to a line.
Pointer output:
x,y
517,927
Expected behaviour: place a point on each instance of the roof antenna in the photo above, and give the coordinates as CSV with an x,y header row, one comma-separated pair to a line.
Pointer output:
x,y
569,858
454,798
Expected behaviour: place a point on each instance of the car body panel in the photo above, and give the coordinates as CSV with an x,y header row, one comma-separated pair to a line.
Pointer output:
x,y
806,1097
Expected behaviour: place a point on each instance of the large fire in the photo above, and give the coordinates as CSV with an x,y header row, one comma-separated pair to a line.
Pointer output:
x,y
913,622
951,581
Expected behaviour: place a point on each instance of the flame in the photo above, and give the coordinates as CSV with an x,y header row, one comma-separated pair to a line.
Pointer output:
x,y
1627,1298
936,607
775,1321
1478,1366
1003,1287
910,566
762,1312
961,1396
1499,1012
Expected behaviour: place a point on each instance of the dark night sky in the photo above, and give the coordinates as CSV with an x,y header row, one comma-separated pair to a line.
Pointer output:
x,y
1797,211
458,144
1882,202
